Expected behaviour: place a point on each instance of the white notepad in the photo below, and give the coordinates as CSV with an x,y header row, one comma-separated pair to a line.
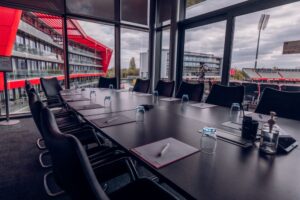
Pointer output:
x,y
203,105
177,150
170,99
143,94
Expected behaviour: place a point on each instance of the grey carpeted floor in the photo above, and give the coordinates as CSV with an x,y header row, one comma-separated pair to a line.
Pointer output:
x,y
21,176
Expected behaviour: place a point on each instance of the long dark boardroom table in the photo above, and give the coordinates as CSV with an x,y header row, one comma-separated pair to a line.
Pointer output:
x,y
232,172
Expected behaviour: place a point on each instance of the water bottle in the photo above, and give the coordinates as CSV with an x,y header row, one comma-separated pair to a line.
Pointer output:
x,y
269,136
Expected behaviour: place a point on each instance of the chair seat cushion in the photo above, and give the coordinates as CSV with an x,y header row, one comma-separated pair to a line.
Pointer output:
x,y
142,189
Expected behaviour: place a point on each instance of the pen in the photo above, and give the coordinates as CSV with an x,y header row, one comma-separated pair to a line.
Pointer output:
x,y
111,120
163,151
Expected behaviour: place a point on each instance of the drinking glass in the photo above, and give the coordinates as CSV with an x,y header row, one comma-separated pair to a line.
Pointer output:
x,y
130,90
155,96
139,115
208,141
235,113
107,101
76,85
111,88
93,95
185,99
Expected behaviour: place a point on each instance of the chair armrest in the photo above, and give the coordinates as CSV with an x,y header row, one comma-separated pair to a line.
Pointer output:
x,y
114,166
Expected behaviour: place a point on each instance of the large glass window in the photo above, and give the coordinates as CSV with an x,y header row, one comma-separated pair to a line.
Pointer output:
x,y
134,56
203,52
165,48
266,48
199,7
29,61
91,50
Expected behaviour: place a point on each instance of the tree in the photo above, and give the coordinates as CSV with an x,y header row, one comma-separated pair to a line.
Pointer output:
x,y
132,65
192,2
239,75
132,70
110,72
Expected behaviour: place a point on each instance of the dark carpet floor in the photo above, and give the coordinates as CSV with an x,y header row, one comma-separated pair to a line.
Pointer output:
x,y
21,176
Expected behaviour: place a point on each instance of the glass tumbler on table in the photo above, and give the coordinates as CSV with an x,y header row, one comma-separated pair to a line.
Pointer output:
x,y
185,99
107,101
208,141
139,115
235,113
93,95
155,96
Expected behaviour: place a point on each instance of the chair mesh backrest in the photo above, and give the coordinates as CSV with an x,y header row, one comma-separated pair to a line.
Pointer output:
x,y
105,82
262,87
251,89
194,91
235,84
36,107
165,88
71,167
225,95
141,85
290,88
285,104
27,86
51,86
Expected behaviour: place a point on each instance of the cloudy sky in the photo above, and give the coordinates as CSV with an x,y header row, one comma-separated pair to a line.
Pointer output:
x,y
132,42
284,25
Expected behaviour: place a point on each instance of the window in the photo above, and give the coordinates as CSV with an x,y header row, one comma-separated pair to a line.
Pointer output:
x,y
27,61
134,56
277,60
204,46
91,49
165,47
199,7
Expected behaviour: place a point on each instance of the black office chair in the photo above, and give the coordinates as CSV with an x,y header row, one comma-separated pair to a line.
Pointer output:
x,y
251,92
263,86
68,125
74,173
105,82
194,91
235,84
165,88
27,86
285,104
290,88
225,95
51,88
141,85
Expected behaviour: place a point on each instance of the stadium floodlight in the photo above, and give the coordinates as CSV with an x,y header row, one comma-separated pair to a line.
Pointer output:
x,y
262,25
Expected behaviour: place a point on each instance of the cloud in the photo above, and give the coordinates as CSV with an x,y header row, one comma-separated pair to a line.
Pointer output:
x,y
284,25
132,42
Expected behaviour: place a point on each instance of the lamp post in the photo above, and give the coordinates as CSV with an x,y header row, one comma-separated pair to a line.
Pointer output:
x,y
262,25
